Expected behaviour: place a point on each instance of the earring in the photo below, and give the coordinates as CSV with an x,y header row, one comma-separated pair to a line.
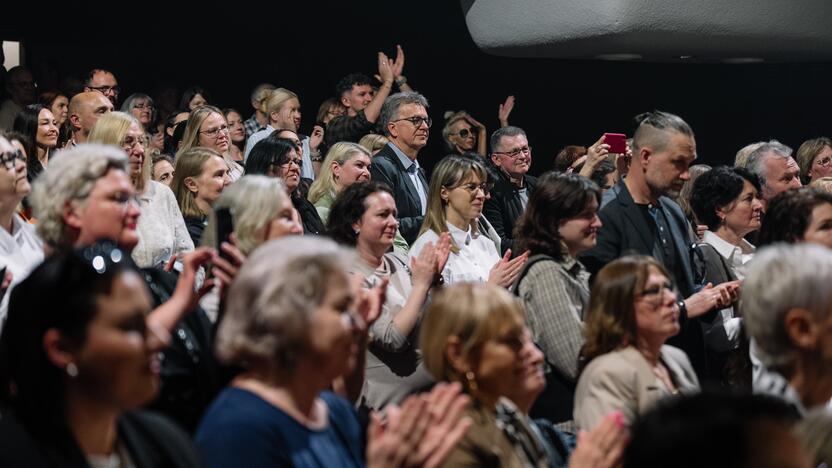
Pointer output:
x,y
72,370
472,380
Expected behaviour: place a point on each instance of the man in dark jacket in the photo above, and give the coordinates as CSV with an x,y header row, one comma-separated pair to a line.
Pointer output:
x,y
404,120
512,156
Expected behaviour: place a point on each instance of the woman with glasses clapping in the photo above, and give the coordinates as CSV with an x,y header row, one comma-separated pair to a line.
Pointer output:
x,y
627,366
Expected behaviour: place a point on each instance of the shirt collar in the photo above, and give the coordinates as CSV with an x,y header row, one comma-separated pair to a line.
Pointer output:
x,y
459,236
406,162
725,248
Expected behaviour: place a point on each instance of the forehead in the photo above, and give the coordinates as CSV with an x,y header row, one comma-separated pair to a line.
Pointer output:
x,y
135,130
102,77
515,141
214,163
360,89
5,145
775,163
460,124
655,276
289,135
114,179
96,100
411,110
45,114
233,115
213,119
379,199
680,144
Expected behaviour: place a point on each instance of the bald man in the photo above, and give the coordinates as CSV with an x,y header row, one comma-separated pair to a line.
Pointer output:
x,y
84,110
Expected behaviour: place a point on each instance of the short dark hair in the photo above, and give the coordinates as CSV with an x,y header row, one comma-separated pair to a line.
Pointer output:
x,y
347,82
91,74
190,93
718,188
349,206
556,197
267,152
789,214
509,131
677,429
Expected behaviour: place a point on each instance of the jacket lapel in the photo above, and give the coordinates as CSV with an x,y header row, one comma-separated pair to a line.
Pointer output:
x,y
633,213
681,241
408,183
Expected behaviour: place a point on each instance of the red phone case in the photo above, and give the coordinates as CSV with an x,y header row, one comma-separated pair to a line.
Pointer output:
x,y
617,142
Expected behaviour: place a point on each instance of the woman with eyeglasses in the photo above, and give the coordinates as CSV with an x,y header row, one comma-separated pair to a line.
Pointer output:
x,y
626,365
815,159
456,194
463,133
364,217
280,157
20,247
161,227
199,178
38,125
77,364
207,128
237,132
140,106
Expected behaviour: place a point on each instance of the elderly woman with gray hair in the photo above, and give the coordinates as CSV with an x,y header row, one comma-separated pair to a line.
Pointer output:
x,y
787,308
292,340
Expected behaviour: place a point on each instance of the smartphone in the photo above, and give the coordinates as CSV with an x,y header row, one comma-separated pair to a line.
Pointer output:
x,y
617,142
225,226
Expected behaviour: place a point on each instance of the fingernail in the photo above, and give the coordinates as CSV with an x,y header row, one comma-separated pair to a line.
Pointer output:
x,y
619,419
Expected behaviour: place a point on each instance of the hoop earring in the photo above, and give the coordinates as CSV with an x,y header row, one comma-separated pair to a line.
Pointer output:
x,y
472,380
72,370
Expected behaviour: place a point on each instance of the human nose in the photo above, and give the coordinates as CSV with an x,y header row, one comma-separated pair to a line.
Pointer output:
x,y
596,221
795,183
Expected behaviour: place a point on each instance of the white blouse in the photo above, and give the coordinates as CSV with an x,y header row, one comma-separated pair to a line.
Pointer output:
x,y
161,228
20,252
477,255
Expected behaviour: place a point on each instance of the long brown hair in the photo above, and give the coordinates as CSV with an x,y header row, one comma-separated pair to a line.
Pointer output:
x,y
611,321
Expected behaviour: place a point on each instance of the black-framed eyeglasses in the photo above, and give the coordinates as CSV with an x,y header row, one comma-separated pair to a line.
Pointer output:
x,y
10,158
515,153
472,188
417,121
144,105
465,132
654,294
102,256
215,132
106,89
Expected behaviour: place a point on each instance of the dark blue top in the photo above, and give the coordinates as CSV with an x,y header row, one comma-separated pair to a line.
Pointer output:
x,y
240,429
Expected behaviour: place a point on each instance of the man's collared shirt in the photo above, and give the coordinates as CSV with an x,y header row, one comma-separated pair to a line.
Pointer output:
x,y
412,168
252,126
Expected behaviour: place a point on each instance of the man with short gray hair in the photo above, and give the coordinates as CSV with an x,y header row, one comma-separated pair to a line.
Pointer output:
x,y
405,122
777,170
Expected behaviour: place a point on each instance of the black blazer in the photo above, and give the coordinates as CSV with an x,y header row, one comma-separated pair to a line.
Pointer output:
x,y
504,208
388,169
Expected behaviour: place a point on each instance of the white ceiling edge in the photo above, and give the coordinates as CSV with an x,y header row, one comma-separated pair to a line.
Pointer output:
x,y
655,30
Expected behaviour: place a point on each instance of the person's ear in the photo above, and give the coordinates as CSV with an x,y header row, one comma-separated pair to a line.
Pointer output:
x,y
58,351
495,159
644,155
453,353
274,116
345,101
392,130
71,215
444,194
75,121
336,170
802,329
191,184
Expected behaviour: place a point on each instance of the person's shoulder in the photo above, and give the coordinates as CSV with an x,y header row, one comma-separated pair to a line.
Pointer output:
x,y
425,237
237,411
338,406
146,431
615,365
675,354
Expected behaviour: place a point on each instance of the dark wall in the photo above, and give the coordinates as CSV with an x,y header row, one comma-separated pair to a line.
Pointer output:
x,y
308,46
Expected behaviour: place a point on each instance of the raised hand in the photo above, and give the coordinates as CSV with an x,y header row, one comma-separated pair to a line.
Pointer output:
x,y
595,154
505,111
316,137
385,70
504,272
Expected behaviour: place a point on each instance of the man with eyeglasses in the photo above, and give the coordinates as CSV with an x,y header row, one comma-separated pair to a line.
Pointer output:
x,y
21,87
104,82
642,218
512,156
84,111
405,122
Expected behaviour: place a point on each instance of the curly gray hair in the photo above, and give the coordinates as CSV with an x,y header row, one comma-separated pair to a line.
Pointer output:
x,y
69,178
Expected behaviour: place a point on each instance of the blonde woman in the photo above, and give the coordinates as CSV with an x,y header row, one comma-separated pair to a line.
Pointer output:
x,y
200,176
207,128
283,110
373,142
161,228
345,164
463,133
456,194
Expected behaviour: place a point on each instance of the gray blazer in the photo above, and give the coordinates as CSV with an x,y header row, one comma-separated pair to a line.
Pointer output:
x,y
623,380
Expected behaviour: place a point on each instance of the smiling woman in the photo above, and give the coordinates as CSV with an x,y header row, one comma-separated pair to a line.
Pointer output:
x,y
38,124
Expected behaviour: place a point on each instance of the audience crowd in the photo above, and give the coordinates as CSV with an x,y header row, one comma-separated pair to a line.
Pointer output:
x,y
194,286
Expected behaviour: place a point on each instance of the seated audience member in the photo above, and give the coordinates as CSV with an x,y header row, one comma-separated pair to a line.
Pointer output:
x,y
560,222
626,365
405,122
473,334
459,133
363,105
82,359
258,119
364,217
512,155
21,90
193,98
566,158
683,199
279,157
140,106
20,247
283,110
292,341
786,306
603,175
455,198
328,110
103,82
796,216
38,125
504,111
207,128
161,228
815,159
815,434
727,200
772,162
84,110
199,178
86,195
741,158
162,169
716,430
237,133
824,183
373,142
345,164
57,102
174,126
